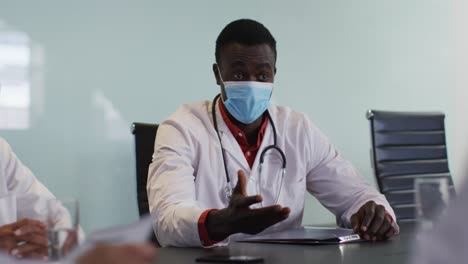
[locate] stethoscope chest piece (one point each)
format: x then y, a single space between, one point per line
228 192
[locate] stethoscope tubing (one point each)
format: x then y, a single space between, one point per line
228 188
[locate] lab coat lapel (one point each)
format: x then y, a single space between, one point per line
266 141
230 145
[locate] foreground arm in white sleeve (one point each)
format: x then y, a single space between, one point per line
30 194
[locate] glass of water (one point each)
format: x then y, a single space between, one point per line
432 196
62 227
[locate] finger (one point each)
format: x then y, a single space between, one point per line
384 228
25 250
241 182
7 243
377 221
41 254
28 222
29 229
258 221
269 215
6 232
37 239
70 242
369 211
355 222
391 232
38 256
244 202
286 211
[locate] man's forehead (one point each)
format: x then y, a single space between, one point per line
238 54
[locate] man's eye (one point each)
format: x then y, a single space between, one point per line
238 76
263 77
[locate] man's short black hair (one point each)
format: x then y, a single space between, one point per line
245 32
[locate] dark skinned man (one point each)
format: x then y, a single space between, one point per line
235 166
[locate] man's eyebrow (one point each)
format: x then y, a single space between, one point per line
238 63
263 65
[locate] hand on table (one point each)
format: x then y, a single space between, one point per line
24 238
7 238
372 222
239 218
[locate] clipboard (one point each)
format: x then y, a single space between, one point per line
307 236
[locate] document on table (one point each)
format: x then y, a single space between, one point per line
307 236
137 232
133 233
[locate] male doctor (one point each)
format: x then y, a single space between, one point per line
22 204
236 165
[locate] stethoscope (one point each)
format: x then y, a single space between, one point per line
228 189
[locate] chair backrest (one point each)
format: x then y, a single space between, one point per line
145 135
406 146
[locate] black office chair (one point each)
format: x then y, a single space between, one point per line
406 146
145 135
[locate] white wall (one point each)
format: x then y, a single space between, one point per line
108 63
461 84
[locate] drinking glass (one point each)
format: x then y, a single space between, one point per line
432 196
62 227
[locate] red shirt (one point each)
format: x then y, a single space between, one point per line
250 152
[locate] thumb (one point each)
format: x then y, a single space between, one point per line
241 182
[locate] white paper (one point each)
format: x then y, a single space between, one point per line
307 234
132 233
137 232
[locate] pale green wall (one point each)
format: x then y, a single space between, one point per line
108 63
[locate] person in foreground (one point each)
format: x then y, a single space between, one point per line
448 239
116 254
23 199
235 166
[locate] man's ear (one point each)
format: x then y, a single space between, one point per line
275 70
216 74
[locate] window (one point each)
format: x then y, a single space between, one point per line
15 85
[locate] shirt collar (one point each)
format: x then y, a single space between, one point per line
237 132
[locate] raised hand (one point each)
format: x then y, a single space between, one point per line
238 217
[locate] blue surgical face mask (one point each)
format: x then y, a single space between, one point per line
247 100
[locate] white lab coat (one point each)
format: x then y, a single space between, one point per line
21 193
187 176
